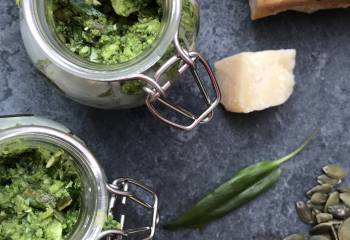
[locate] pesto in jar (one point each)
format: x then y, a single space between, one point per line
39 195
107 31
113 32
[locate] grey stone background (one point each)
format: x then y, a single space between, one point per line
185 166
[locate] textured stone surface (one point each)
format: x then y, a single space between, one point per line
185 166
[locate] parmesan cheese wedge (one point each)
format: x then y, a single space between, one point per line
264 8
256 81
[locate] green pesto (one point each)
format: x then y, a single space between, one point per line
188 31
132 87
18 3
39 194
116 31
127 7
107 31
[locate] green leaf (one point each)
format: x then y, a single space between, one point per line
245 180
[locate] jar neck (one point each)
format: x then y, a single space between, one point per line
94 196
37 16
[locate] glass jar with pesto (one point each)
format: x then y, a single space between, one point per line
52 188
117 54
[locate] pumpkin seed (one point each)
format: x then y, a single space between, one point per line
324 179
321 237
315 211
305 213
333 199
324 228
324 188
314 206
328 207
339 211
295 237
345 197
335 233
344 231
319 198
344 190
324 217
335 171
309 204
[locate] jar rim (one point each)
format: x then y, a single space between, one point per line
84 69
93 221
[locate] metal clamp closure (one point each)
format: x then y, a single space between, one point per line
119 188
186 61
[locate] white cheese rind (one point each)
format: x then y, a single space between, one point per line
264 8
256 81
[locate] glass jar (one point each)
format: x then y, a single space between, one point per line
103 86
98 197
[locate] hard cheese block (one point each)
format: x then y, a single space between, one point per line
264 8
256 81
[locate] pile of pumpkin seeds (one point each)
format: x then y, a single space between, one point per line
328 207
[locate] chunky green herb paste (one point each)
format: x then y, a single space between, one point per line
116 31
107 31
39 195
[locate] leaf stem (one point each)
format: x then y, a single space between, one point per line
284 159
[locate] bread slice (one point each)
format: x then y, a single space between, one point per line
264 8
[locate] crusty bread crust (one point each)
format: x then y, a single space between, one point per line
264 8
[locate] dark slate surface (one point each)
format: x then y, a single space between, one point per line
185 166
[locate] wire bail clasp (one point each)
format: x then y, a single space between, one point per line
187 61
120 188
